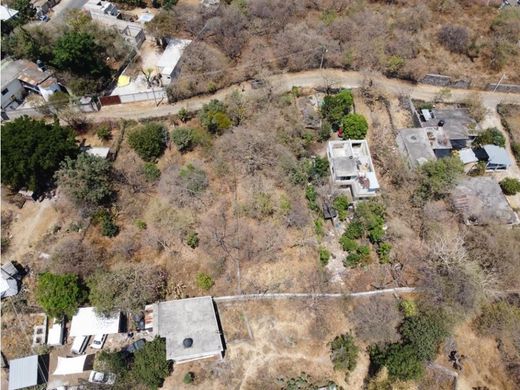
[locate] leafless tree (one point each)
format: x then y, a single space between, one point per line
454 38
74 256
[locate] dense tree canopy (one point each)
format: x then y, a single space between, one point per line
78 53
335 107
150 365
32 151
59 295
214 117
86 180
355 126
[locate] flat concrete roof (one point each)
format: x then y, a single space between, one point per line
415 146
192 318
88 323
458 124
481 202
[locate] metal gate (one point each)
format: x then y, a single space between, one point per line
109 100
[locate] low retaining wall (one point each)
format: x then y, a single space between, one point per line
445 81
508 88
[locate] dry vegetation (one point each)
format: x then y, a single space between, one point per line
405 39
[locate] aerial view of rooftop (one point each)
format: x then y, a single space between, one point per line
260 194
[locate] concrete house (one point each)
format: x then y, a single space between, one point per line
168 64
190 327
97 7
22 76
495 157
351 168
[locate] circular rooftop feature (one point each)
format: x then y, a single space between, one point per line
187 342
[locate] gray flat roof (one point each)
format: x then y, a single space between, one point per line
458 124
415 146
481 202
344 166
193 318
23 372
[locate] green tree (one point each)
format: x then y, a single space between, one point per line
399 359
204 281
108 226
344 352
335 107
59 295
324 256
341 204
149 141
192 240
510 186
355 126
86 180
78 53
491 136
150 366
103 133
183 137
438 177
424 332
32 152
214 117
128 288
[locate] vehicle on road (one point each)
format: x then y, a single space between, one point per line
102 378
99 341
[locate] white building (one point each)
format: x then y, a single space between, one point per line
96 7
351 168
167 65
7 13
88 323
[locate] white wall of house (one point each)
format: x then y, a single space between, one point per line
14 90
50 90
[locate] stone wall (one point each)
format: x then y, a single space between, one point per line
510 88
444 81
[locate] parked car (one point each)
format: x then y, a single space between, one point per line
135 346
79 344
102 378
99 341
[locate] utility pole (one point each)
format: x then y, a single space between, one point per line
501 78
323 51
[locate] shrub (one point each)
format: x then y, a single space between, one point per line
151 172
150 366
399 359
359 257
454 38
394 65
106 219
355 126
324 132
320 168
204 281
193 178
104 133
189 377
318 227
341 204
183 114
192 240
183 137
498 319
354 230
348 244
335 107
324 256
383 251
59 295
376 233
111 362
510 186
140 224
344 353
311 195
408 307
491 136
214 117
149 141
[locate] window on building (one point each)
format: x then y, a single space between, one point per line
4 91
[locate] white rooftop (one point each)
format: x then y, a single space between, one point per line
467 156
88 323
172 55
192 318
68 366
98 151
24 372
7 13
8 280
497 155
55 335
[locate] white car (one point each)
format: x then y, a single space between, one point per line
99 341
103 378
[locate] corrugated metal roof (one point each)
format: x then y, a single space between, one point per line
23 372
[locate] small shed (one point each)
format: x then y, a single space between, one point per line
89 323
9 280
167 64
55 336
99 151
497 157
26 372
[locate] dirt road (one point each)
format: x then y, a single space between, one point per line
314 78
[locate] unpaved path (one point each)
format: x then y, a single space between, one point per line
314 78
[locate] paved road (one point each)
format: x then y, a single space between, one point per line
313 78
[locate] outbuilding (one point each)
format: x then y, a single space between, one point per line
89 323
27 372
